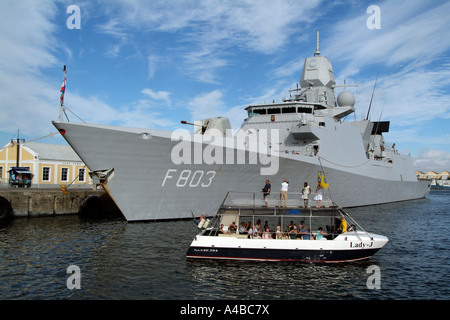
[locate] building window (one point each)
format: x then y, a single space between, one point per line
81 175
64 174
46 174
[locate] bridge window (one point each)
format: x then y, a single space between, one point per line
259 111
304 110
289 110
274 111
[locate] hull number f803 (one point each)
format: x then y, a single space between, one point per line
189 178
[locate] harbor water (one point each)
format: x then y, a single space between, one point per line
120 260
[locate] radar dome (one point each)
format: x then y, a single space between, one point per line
346 99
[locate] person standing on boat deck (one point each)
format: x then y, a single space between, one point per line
284 193
306 191
343 226
318 196
266 191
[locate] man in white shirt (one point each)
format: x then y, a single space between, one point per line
284 193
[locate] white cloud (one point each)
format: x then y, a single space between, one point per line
153 61
114 27
159 95
142 113
28 100
207 105
211 29
436 160
408 98
113 51
410 33
26 37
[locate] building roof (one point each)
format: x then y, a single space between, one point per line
49 151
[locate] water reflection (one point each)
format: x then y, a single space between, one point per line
274 280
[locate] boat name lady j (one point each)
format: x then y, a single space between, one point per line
361 244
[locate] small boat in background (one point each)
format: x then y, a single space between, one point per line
235 232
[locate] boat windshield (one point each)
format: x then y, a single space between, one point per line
245 215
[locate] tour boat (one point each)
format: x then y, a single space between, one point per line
288 234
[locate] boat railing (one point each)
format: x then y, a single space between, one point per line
246 207
274 200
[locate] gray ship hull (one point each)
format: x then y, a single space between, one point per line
146 184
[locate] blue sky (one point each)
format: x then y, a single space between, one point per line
151 63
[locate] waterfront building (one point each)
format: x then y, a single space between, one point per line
420 174
444 175
431 175
51 165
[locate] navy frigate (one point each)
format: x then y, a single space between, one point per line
162 175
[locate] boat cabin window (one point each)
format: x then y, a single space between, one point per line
288 110
304 110
274 111
259 111
281 110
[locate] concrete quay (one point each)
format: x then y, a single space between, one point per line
26 203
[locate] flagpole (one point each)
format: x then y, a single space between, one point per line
329 191
61 99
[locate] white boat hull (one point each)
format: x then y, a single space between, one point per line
349 246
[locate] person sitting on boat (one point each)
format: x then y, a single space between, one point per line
257 227
243 228
232 227
293 232
290 227
343 226
266 234
279 235
256 233
221 229
250 233
303 231
320 234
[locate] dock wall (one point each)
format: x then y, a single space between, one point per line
23 203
